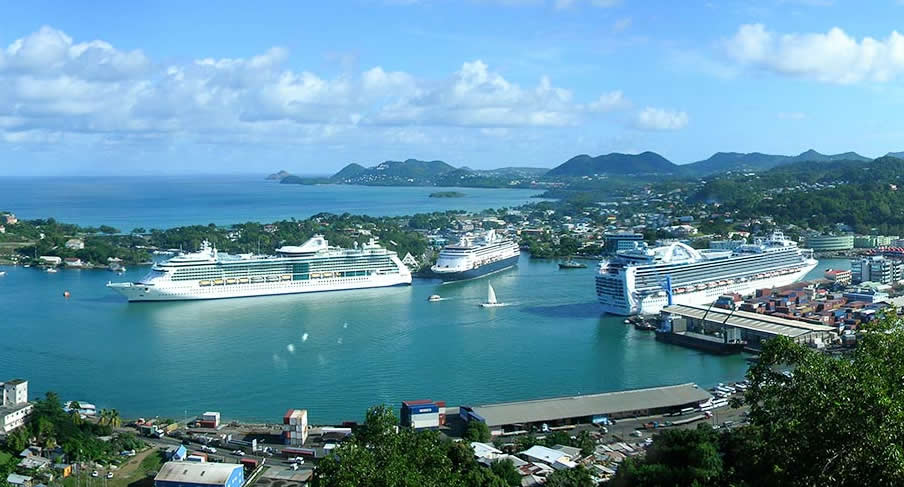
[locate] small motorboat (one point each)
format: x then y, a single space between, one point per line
572 264
51 270
434 297
492 302
2 273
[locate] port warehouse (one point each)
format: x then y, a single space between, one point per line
515 416
200 474
754 328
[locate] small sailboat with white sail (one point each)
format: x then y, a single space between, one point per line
492 302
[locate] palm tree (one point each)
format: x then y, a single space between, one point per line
115 420
104 417
75 416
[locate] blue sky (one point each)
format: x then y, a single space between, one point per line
186 87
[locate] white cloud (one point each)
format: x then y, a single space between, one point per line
478 97
56 90
661 119
833 57
612 100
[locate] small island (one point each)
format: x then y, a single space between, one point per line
447 194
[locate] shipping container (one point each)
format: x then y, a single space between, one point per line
306 452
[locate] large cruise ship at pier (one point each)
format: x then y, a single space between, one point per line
476 256
634 281
314 266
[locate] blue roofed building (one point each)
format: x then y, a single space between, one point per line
190 474
176 453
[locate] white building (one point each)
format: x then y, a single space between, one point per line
546 455
75 244
410 261
15 409
51 259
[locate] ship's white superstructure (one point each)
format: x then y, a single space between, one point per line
634 281
313 266
475 256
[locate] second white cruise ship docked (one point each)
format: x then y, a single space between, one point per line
634 281
476 256
314 266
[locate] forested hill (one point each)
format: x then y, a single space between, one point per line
757 161
647 163
861 194
614 163
414 172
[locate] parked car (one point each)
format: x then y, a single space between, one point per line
109 475
94 473
297 460
238 452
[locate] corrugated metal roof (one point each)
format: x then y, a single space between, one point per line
196 473
747 320
590 405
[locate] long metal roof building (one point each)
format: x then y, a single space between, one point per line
609 403
189 474
746 320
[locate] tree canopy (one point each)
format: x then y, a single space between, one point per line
815 419
382 455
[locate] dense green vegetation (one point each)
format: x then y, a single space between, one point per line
377 455
341 230
863 195
104 243
48 237
413 172
51 427
829 422
614 163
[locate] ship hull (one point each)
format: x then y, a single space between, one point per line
137 292
653 304
481 271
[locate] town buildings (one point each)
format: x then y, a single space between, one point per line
15 408
878 269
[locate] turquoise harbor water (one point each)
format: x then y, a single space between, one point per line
333 353
249 358
170 201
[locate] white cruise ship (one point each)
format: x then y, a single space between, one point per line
476 256
634 282
314 266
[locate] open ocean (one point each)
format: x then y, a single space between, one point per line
171 201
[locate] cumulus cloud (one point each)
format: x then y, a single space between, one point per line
475 96
612 100
53 88
651 118
832 57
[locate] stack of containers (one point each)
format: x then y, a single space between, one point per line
420 414
210 420
442 412
295 427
